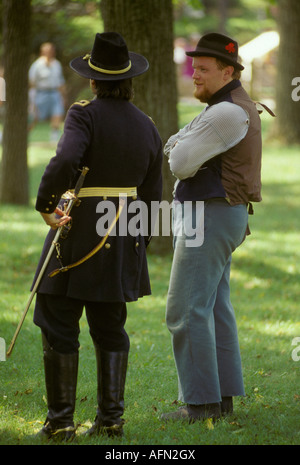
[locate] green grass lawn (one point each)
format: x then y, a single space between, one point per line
266 297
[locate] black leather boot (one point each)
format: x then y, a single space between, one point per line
61 379
111 376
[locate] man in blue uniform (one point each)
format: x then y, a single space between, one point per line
122 149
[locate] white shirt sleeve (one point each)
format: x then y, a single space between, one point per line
2 90
174 139
217 129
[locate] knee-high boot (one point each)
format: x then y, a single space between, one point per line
111 376
61 379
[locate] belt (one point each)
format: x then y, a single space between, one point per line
107 192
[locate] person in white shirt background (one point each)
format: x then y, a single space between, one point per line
46 90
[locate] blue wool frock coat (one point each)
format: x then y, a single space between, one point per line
122 148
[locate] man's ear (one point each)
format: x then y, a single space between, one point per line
228 72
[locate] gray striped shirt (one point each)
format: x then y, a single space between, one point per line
214 131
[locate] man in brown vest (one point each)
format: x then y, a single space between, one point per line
217 162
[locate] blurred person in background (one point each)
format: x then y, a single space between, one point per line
46 94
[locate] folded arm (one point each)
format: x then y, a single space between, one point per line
214 131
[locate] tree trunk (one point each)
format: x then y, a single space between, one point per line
288 109
16 39
147 27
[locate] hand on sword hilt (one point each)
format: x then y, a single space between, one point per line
56 219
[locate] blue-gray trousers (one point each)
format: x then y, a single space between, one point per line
199 313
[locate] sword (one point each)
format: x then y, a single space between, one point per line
71 203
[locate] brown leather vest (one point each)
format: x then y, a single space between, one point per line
241 165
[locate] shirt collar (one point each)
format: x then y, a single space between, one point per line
222 94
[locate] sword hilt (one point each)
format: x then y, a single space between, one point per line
74 201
